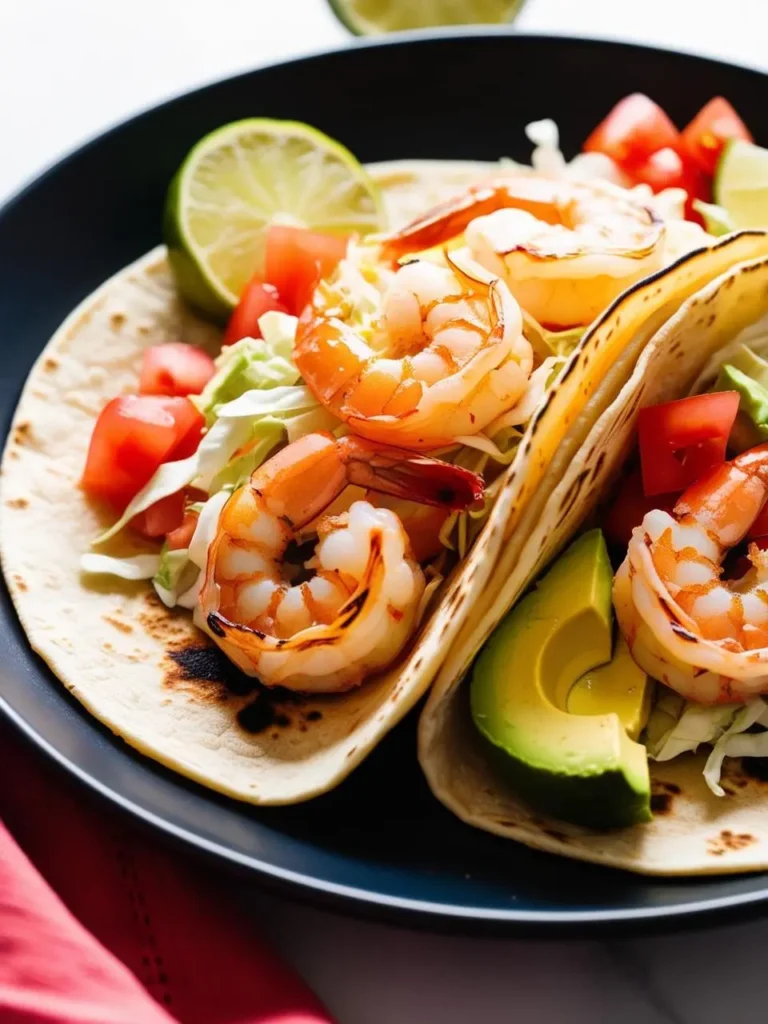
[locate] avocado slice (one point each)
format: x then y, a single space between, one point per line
556 708
751 426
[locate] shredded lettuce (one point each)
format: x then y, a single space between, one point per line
687 726
266 406
732 744
135 567
252 363
546 343
248 428
679 727
175 575
168 479
206 529
180 575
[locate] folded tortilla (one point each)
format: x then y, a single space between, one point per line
144 670
693 831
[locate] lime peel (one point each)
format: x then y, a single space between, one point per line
372 17
240 179
741 184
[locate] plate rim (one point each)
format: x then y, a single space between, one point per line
353 899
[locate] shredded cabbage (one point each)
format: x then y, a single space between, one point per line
688 726
264 406
252 363
754 337
168 479
732 744
678 727
180 575
175 575
247 430
135 567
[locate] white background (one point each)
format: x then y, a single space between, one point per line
68 69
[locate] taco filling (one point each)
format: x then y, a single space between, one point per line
331 416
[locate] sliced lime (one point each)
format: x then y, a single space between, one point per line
741 184
717 220
372 17
240 179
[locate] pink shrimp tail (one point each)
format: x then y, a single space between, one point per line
404 474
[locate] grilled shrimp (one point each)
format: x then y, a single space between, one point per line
438 360
566 249
356 612
703 636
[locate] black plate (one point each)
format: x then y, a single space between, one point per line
380 841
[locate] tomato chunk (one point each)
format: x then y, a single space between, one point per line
134 435
162 517
170 517
668 169
714 125
257 299
680 441
175 369
297 259
634 130
629 507
181 537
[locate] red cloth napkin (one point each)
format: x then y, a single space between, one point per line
136 934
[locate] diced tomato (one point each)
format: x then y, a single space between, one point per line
297 259
634 130
170 517
132 437
680 441
182 535
663 169
190 423
704 138
162 517
667 169
257 299
175 369
628 508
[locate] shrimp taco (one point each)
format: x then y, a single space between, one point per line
616 712
248 552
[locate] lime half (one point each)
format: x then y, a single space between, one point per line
741 184
372 17
240 179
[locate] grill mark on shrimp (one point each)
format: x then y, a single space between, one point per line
370 376
362 561
707 638
683 633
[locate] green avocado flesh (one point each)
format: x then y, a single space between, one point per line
748 375
556 706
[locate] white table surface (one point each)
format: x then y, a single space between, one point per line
68 69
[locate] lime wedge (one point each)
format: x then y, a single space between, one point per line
741 184
372 17
717 220
240 179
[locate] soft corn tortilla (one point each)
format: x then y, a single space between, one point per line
144 670
693 831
